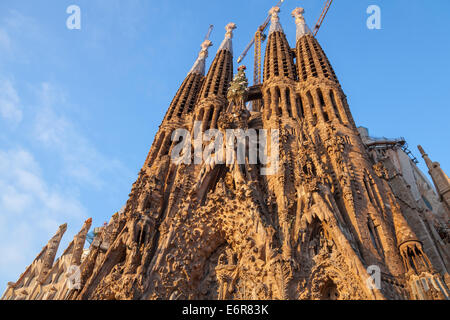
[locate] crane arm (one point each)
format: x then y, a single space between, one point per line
322 16
249 46
211 27
261 28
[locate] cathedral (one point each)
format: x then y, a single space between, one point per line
331 214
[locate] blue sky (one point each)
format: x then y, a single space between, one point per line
79 108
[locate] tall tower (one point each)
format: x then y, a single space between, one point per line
181 108
37 271
212 99
328 221
140 241
440 179
337 155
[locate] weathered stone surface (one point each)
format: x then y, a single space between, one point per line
224 231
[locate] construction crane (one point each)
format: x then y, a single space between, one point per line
260 37
257 41
211 27
322 16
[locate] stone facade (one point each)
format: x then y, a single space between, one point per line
311 230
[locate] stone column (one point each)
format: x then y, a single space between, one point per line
284 102
331 111
341 107
294 109
318 106
215 117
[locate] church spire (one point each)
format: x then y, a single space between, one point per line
213 95
279 60
221 71
440 179
79 241
425 157
52 249
227 43
184 100
274 21
199 65
302 27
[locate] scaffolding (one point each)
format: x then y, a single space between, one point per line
384 143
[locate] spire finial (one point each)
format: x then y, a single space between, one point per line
230 27
302 27
425 157
226 44
275 20
422 152
199 65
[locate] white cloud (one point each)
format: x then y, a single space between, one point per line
33 201
32 207
30 210
58 134
5 41
9 102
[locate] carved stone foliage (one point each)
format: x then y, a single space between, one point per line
309 230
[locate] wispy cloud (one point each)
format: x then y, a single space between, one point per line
58 134
35 196
9 102
5 41
33 203
31 209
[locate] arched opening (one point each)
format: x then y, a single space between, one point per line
157 147
410 257
322 105
301 63
212 71
309 169
368 190
200 114
275 57
210 116
278 102
193 97
335 108
374 236
269 104
288 102
312 107
220 72
166 147
210 182
299 105
330 291
142 234
311 59
372 190
186 94
284 56
229 76
317 238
